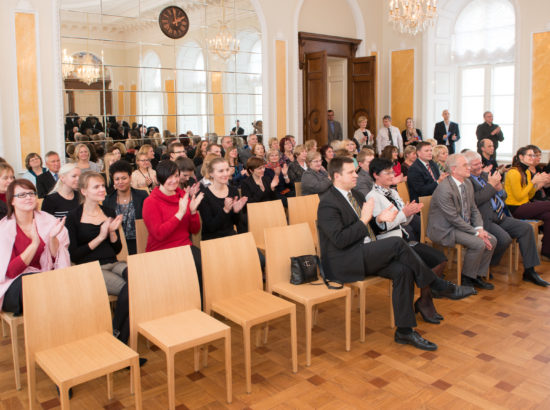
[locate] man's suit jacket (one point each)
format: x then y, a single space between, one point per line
440 133
341 236
44 184
337 134
482 196
446 212
419 180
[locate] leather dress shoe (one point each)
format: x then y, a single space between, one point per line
534 277
438 316
425 316
414 339
478 282
454 292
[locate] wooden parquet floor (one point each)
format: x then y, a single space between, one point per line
494 352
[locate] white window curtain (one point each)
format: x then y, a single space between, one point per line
151 107
485 33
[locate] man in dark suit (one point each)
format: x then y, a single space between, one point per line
334 128
238 129
46 180
446 132
423 175
489 129
350 251
490 197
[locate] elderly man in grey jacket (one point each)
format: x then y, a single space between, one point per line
454 218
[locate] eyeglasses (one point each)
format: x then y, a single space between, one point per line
30 194
178 152
388 172
144 160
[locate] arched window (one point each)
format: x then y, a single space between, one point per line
191 88
483 49
151 107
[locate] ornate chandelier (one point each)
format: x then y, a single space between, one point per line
88 71
224 44
67 66
412 16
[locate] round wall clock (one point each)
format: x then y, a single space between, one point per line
173 22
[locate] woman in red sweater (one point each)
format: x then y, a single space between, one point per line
170 213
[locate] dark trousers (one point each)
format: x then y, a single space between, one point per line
537 210
514 228
13 298
393 258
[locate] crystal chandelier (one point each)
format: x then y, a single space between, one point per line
412 16
67 65
224 44
88 71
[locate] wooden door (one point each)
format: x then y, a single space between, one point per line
361 93
315 97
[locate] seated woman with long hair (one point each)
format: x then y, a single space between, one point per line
521 186
33 163
237 171
126 201
170 213
32 242
440 154
327 153
200 152
391 153
144 176
82 158
63 198
287 150
6 178
258 187
315 180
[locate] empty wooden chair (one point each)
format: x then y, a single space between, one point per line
281 244
73 341
403 191
13 323
232 282
304 209
165 307
141 236
262 215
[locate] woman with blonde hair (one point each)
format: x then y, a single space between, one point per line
298 166
273 143
351 147
310 145
259 150
440 154
144 176
149 150
63 198
81 157
411 135
409 156
315 180
362 134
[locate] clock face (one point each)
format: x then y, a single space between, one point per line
174 22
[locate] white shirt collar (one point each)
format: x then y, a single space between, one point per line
457 182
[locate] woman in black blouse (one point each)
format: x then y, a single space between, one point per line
258 187
220 209
64 195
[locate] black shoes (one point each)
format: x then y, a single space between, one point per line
534 277
414 339
454 292
426 316
478 282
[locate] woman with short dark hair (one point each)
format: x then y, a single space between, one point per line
33 163
257 187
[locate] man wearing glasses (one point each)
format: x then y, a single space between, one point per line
176 150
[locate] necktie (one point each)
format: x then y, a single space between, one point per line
390 138
431 172
465 209
357 210
496 201
55 177
331 126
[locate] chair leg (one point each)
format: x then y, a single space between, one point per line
15 353
247 358
109 385
228 369
205 356
516 260
294 340
31 381
459 266
315 315
258 336
4 330
362 314
137 382
309 320
348 321
64 397
170 374
133 343
266 333
196 357
390 295
510 258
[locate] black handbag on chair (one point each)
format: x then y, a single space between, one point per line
303 269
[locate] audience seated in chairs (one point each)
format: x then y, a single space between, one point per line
144 176
126 201
297 167
409 156
350 251
46 181
315 180
276 166
455 219
364 179
64 196
423 175
32 242
385 197
490 197
6 178
258 187
521 186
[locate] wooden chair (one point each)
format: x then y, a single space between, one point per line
73 343
304 209
13 323
196 237
281 244
141 236
123 254
262 215
403 191
232 282
39 203
165 307
298 188
426 200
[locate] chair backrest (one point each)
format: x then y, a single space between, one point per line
426 200
304 209
197 237
123 254
141 236
403 191
230 267
263 215
162 283
64 305
39 203
298 188
281 243
146 189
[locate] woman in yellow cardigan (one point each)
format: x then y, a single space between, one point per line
521 187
